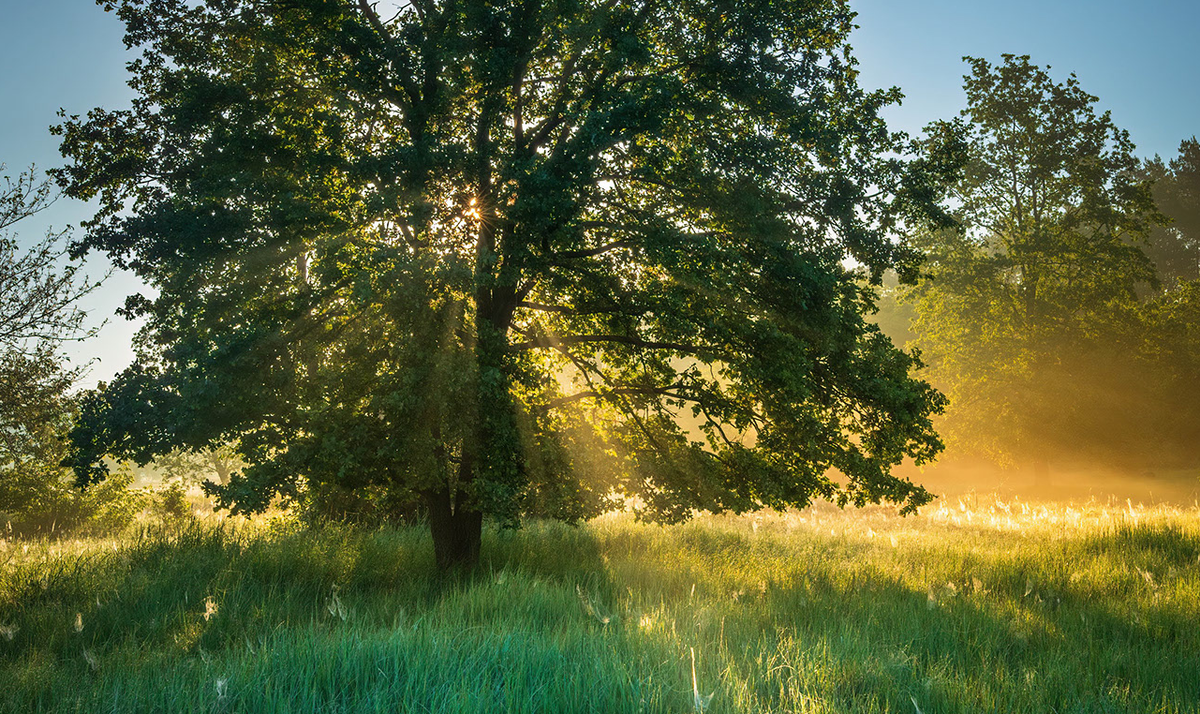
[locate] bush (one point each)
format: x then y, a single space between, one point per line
47 502
171 502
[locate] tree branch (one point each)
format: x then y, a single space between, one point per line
556 341
380 28
591 252
565 309
598 393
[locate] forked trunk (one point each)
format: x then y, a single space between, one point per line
456 529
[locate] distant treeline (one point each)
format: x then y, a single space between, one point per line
1061 316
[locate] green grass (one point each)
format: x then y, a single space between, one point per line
1002 608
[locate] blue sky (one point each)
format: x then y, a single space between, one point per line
1142 60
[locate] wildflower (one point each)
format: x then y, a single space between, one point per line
9 631
210 608
79 622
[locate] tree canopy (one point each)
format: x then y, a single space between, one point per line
1175 246
508 257
1030 315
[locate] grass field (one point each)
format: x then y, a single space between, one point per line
978 606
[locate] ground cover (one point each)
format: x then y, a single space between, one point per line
976 605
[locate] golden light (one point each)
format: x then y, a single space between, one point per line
473 212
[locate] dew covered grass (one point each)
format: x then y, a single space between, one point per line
983 607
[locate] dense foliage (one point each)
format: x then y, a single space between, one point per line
1042 315
1175 246
508 257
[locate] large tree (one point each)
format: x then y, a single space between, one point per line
1023 310
504 257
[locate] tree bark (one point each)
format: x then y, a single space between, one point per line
456 526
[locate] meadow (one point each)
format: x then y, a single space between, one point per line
976 605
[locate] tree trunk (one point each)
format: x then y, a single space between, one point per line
456 529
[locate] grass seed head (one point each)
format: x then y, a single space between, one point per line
699 702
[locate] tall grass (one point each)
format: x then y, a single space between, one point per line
1004 607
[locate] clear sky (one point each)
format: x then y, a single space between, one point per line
1142 59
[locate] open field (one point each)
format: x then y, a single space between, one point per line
974 606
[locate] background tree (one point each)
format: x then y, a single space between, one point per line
1174 247
218 463
485 255
1024 313
39 294
222 461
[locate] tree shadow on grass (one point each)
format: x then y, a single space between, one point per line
854 632
597 618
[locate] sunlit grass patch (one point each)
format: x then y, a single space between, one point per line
983 606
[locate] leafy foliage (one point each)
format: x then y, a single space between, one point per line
488 255
39 293
1175 247
1030 315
